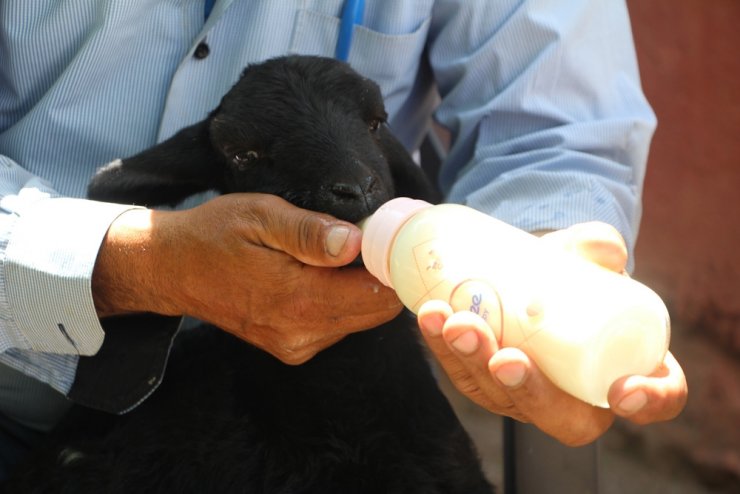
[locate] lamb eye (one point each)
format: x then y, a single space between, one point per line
374 124
247 158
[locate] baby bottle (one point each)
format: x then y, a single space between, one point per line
584 325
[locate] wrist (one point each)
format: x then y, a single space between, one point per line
131 273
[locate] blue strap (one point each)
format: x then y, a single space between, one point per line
352 14
208 8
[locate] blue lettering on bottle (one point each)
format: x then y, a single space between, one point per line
476 306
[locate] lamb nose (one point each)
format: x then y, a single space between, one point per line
347 191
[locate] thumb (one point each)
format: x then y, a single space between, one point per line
599 242
313 238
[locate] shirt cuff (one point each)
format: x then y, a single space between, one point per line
48 266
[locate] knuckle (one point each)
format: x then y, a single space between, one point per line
465 383
291 358
295 352
506 407
580 438
583 432
261 211
309 234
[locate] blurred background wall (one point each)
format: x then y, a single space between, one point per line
689 243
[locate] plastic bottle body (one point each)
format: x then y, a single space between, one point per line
585 326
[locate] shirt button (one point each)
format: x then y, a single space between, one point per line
202 50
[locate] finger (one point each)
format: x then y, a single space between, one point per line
431 319
349 298
313 238
316 303
555 412
470 337
599 242
465 368
656 398
317 308
461 333
308 304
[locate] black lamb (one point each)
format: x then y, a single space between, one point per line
363 416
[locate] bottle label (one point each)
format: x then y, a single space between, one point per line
480 298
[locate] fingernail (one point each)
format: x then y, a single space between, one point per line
433 325
336 239
466 343
633 402
511 375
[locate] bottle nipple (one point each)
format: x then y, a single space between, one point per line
379 232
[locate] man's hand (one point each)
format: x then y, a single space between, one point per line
254 265
507 382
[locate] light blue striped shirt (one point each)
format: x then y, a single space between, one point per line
542 99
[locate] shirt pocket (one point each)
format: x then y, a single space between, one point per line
391 60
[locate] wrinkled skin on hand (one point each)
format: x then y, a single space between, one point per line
253 265
505 381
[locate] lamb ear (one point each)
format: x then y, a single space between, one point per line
408 177
167 173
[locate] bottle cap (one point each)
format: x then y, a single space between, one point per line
379 232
